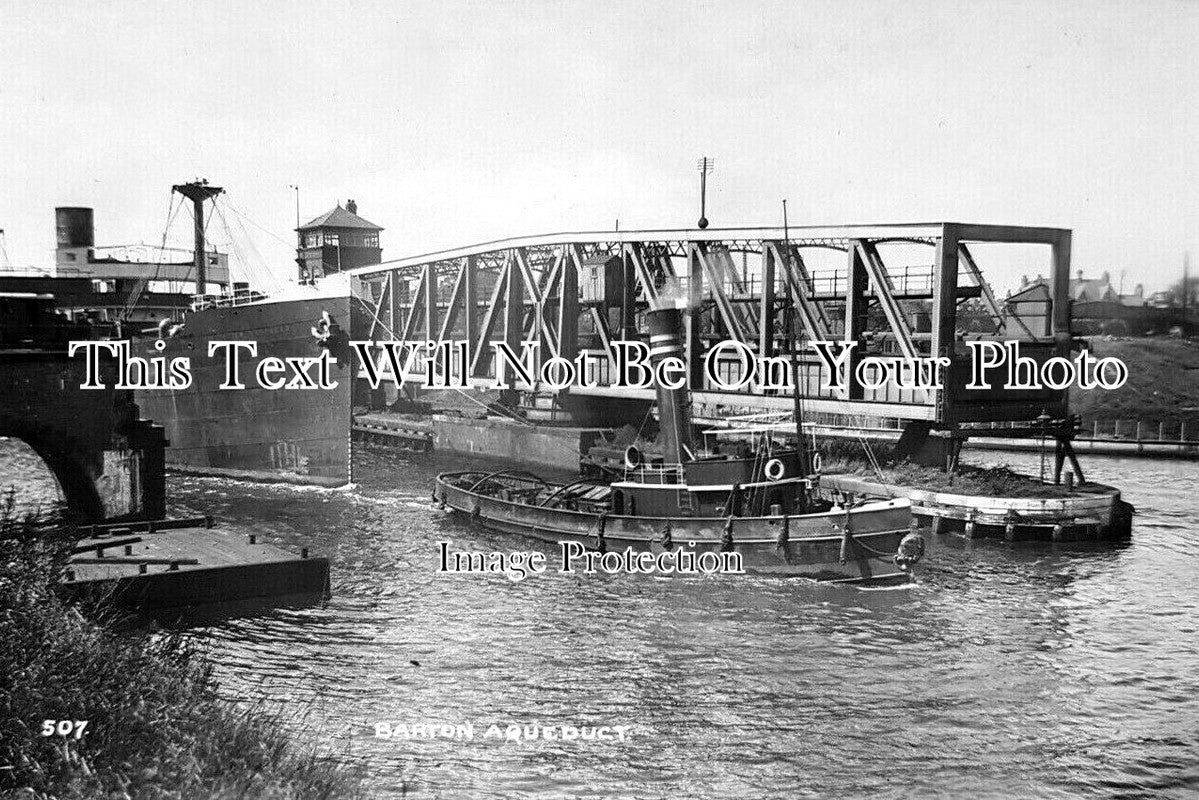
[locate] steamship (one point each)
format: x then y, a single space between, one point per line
288 435
185 299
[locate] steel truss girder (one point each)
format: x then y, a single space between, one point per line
533 288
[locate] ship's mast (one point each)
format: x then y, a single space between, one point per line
198 191
790 323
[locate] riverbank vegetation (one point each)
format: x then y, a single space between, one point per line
155 726
1162 386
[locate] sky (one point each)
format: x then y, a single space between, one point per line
453 123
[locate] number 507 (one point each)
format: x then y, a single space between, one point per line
64 727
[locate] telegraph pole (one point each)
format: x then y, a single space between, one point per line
705 166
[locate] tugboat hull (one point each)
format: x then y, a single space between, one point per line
814 546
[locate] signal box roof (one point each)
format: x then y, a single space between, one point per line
339 218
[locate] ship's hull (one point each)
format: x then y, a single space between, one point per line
292 435
804 545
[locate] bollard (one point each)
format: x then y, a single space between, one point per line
128 549
70 574
253 538
99 552
142 568
1057 532
303 552
174 566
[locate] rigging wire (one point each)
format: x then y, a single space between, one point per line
248 269
139 288
257 265
250 220
234 247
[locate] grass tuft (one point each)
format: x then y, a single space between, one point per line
156 726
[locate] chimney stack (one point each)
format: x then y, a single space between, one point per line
674 405
351 206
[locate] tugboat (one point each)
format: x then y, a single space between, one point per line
758 505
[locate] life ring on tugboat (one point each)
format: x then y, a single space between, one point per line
632 457
775 469
817 463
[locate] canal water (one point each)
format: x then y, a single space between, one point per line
1008 671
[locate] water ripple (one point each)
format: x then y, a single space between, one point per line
1026 671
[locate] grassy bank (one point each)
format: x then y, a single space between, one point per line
1163 383
156 727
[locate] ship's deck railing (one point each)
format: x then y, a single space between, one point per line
239 297
656 473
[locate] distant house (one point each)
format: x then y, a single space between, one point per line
1091 290
1090 297
1028 309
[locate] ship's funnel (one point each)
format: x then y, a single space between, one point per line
75 227
674 405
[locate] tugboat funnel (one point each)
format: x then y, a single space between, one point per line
674 405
